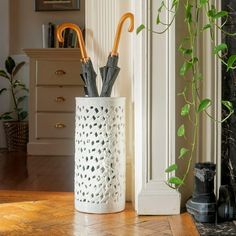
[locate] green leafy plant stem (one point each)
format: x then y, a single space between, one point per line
14 98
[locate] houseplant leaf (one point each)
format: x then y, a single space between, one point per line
140 28
171 168
183 152
185 110
231 61
228 105
220 14
4 74
21 99
2 90
219 48
207 26
23 115
181 131
204 104
175 180
17 68
203 2
10 65
185 67
6 116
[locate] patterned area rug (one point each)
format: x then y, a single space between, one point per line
226 228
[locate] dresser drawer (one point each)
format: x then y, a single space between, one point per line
57 98
58 72
55 125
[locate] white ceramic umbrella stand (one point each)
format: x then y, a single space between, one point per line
100 157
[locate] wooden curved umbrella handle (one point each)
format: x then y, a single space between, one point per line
76 28
119 28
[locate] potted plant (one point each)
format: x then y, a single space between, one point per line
15 126
193 104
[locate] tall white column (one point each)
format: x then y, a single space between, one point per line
154 66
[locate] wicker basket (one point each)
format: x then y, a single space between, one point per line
16 135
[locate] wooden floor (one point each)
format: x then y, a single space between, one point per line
29 204
36 173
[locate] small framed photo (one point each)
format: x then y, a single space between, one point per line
57 5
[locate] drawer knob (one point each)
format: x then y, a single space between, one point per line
60 99
60 72
60 125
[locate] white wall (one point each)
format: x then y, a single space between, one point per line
4 50
20 27
26 24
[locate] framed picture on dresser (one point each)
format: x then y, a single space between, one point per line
57 5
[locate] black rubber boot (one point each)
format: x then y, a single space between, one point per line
202 205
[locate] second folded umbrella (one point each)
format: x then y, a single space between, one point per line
110 72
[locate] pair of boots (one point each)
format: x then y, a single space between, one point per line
203 205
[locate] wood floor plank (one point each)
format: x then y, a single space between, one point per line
182 225
44 204
53 214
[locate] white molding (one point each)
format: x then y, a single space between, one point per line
210 142
152 195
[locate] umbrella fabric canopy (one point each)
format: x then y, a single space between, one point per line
109 74
89 77
88 74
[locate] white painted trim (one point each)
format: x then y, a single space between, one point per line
152 196
210 142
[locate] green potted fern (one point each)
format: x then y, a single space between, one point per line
14 120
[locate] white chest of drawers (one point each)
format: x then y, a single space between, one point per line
54 83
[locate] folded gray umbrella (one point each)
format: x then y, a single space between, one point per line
109 74
89 77
88 74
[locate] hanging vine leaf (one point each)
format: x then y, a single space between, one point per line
228 105
207 26
231 61
185 67
158 19
219 48
183 152
220 14
171 168
140 28
175 180
185 110
198 77
181 131
204 104
203 2
174 3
